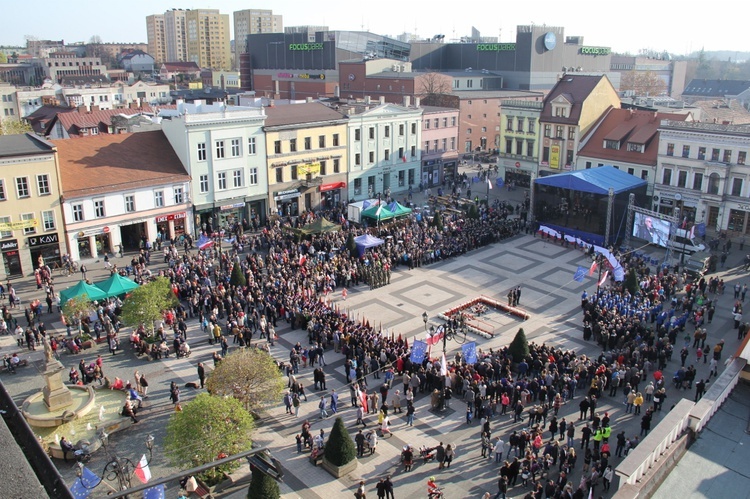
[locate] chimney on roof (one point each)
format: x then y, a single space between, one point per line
630 114
94 107
82 108
417 102
367 99
381 99
407 101
308 100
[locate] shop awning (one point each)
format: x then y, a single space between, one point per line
332 187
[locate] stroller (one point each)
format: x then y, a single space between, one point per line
427 453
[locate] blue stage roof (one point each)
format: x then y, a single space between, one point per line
594 180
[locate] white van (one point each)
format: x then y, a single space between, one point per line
684 243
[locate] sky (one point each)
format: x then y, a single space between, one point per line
678 26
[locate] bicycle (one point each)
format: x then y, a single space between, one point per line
65 269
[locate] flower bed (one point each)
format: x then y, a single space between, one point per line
488 302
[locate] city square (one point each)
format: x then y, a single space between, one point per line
551 297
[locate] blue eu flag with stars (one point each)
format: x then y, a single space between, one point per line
469 351
418 351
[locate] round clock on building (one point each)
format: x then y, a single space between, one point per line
352 77
550 40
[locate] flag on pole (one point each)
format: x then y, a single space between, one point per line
418 351
604 278
142 471
592 269
489 182
469 351
363 400
434 339
82 486
443 366
380 208
302 259
155 492
578 276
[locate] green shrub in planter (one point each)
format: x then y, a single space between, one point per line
340 448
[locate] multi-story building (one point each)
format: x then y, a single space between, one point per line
31 221
224 151
638 75
207 33
385 149
628 140
306 146
60 64
8 102
570 110
107 202
702 174
156 36
252 22
439 144
518 154
308 30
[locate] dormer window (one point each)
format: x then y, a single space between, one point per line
561 112
635 147
612 144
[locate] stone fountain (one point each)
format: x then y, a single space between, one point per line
59 409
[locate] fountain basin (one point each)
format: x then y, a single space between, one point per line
37 414
88 428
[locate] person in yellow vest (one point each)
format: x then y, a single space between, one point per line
638 402
217 332
598 437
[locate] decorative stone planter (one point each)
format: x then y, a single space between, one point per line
489 302
339 471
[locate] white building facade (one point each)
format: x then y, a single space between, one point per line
384 150
703 175
223 149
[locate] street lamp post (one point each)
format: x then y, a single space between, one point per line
598 258
117 469
424 318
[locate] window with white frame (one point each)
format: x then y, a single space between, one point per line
2 190
48 220
251 145
202 151
219 149
5 233
158 199
222 181
203 182
99 208
252 176
179 195
235 148
77 212
27 217
129 203
237 178
42 185
22 187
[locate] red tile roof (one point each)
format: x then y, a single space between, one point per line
627 126
92 119
113 163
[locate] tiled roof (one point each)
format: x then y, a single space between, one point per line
626 126
181 66
92 119
23 144
42 117
715 88
292 114
117 162
575 89
713 111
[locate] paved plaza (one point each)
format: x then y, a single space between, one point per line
549 294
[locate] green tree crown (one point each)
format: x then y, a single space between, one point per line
340 448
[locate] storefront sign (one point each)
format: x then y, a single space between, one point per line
495 47
302 76
172 216
333 186
554 156
596 50
309 169
743 207
232 206
23 224
283 195
42 240
305 46
10 245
